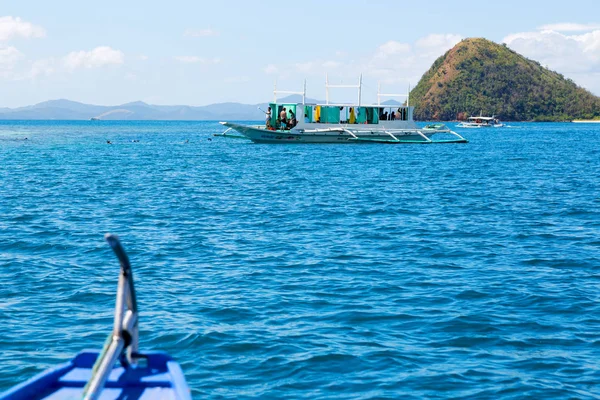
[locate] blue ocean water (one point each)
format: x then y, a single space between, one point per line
310 271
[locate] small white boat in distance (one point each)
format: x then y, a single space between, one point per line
481 122
340 123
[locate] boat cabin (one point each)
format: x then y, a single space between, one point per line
334 114
483 120
289 115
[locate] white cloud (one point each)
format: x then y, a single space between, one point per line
15 27
591 44
143 57
575 56
200 32
434 45
392 48
43 67
14 66
98 57
197 60
565 53
402 63
569 27
394 63
438 41
271 69
9 56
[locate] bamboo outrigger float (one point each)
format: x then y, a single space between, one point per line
340 123
119 371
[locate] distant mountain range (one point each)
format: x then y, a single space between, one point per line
138 110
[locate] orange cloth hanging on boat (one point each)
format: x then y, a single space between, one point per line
318 113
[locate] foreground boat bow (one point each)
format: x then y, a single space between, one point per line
92 375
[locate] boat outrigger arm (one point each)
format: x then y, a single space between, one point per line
232 136
122 343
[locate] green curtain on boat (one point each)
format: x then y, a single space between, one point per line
307 113
361 116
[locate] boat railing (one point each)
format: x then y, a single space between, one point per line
278 91
122 343
392 95
330 86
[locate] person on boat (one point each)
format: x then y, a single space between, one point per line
306 119
268 118
293 120
283 118
342 115
398 115
384 117
392 116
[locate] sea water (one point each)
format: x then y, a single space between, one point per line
309 271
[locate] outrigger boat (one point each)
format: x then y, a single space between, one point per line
119 371
481 122
340 123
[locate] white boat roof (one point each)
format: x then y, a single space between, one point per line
483 118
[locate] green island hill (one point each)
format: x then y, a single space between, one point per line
479 76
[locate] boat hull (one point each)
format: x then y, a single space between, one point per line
477 125
334 135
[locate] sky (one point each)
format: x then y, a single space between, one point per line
198 52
